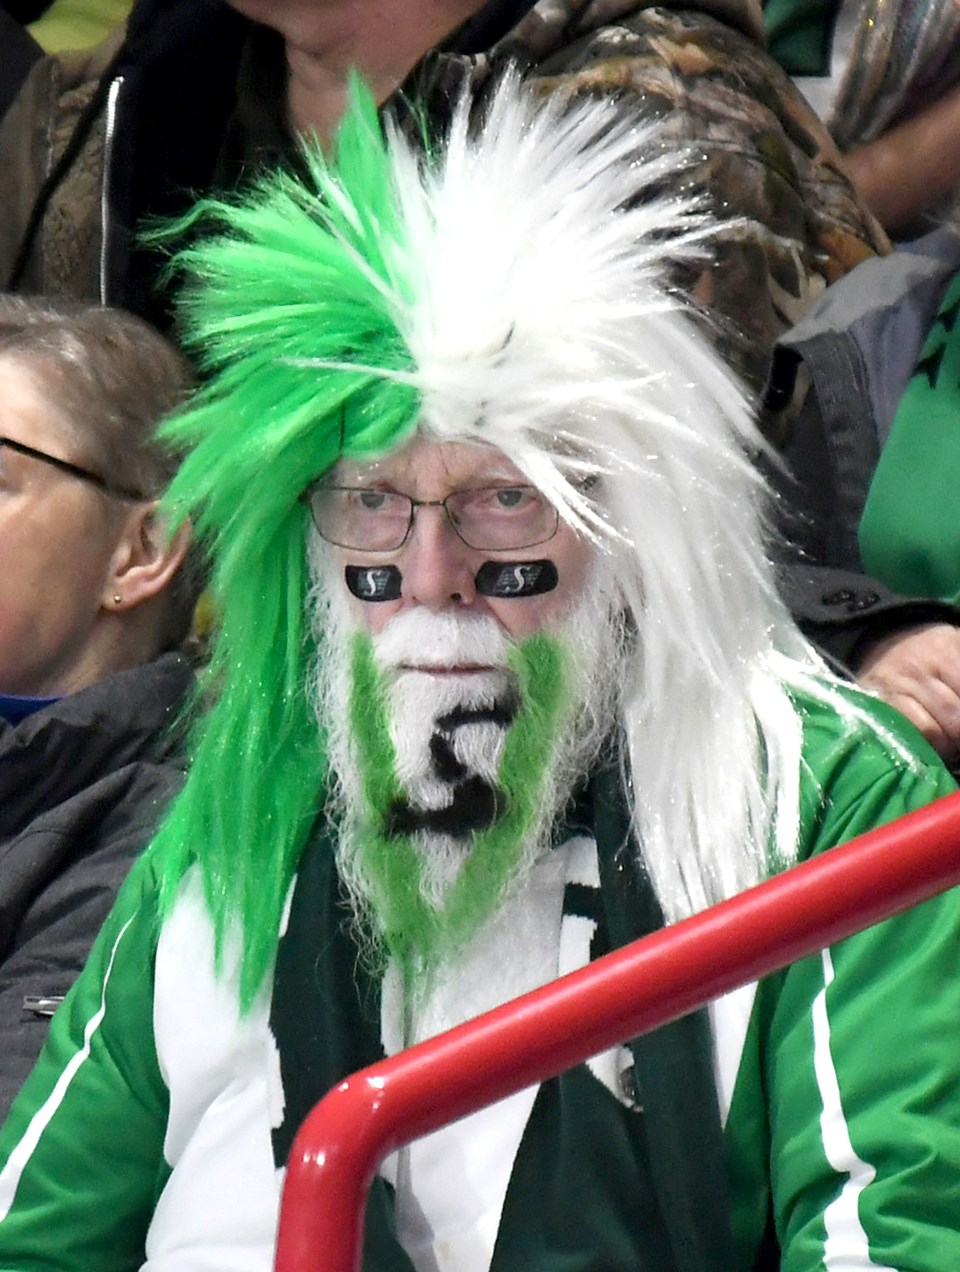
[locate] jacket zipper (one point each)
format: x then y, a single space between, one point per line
113 97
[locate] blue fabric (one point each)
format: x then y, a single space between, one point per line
13 709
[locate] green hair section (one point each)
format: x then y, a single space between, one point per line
291 298
415 934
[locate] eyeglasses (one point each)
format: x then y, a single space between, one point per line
75 470
492 518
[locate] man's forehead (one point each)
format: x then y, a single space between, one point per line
427 462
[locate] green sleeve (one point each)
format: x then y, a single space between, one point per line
848 1100
81 1154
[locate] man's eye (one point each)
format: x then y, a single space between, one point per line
510 497
492 501
372 500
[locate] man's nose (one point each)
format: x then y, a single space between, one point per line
437 566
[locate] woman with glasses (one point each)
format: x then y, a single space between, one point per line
94 603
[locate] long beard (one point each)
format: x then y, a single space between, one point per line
449 786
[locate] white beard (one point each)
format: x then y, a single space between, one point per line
420 701
417 701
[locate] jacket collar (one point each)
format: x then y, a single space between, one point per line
81 738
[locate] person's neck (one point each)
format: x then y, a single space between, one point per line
383 42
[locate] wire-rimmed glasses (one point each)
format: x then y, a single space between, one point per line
491 518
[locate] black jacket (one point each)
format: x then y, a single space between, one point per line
82 785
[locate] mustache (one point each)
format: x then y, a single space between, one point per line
419 638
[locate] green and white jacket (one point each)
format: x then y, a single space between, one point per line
808 1122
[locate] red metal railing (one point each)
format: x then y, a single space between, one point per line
638 988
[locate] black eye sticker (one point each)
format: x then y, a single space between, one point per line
373 582
516 579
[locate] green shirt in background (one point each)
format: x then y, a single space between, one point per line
910 529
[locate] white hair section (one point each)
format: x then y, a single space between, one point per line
542 322
528 270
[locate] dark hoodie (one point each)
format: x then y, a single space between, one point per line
83 783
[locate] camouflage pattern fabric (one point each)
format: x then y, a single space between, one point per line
766 161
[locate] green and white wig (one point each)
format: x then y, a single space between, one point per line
507 286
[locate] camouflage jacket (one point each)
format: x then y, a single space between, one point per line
127 133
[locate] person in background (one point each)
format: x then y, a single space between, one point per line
873 466
501 681
201 94
95 602
885 78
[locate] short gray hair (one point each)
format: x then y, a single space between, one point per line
112 378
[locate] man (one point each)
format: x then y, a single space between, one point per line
501 679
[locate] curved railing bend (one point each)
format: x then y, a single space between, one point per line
627 993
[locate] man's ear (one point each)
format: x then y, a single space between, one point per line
146 558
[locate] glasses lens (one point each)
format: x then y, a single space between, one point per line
362 518
502 517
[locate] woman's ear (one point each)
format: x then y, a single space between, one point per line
146 558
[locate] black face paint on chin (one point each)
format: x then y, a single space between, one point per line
373 582
516 579
474 804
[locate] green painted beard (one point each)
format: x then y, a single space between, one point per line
418 935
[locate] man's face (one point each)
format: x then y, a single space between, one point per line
457 721
438 570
